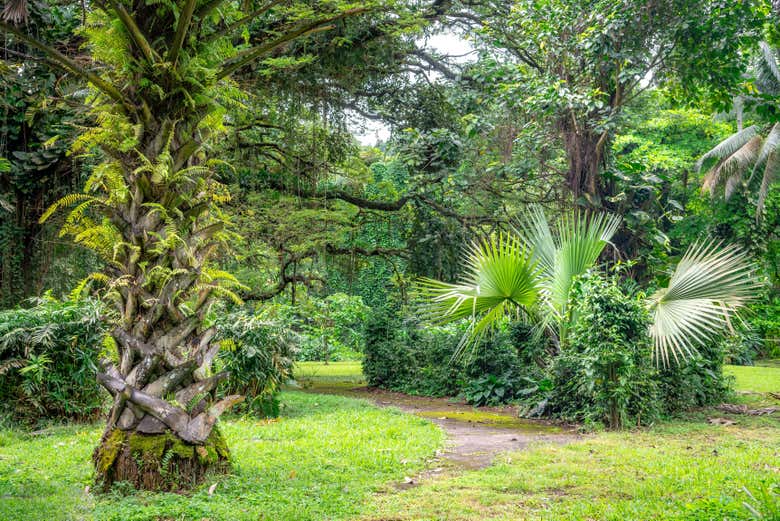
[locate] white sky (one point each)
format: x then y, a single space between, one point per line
370 132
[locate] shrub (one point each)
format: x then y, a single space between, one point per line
330 328
604 372
48 360
742 347
259 354
403 356
387 360
696 382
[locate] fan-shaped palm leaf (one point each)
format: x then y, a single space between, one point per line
500 277
579 240
707 288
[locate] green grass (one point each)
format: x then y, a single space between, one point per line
319 461
333 371
331 457
680 471
755 378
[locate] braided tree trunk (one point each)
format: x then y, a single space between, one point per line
160 226
158 72
161 428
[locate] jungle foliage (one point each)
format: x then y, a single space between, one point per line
193 165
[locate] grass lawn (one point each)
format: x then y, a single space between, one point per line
319 461
351 372
755 378
680 470
331 457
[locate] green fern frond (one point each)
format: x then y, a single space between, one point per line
68 200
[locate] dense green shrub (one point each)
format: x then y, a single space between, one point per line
765 317
404 356
696 382
329 329
48 360
604 372
259 354
742 347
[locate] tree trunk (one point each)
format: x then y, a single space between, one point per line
584 153
157 461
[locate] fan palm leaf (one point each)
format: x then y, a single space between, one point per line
579 240
500 277
707 288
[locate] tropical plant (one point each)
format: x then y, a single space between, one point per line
606 374
707 288
750 156
159 75
48 358
258 354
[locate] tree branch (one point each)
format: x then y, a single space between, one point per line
256 52
69 65
135 32
185 17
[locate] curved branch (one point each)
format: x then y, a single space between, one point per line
254 53
69 65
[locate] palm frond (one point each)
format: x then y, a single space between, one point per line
733 167
707 288
769 145
770 173
15 11
728 146
768 69
499 272
579 240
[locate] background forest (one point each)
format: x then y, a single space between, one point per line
331 232
327 157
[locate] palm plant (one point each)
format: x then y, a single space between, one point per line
534 272
754 151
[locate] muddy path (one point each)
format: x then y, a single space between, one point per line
475 434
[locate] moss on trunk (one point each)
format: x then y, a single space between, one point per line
161 462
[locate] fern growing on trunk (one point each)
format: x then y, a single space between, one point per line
159 74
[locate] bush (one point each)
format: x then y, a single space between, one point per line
696 382
259 354
48 361
401 355
604 372
742 347
329 329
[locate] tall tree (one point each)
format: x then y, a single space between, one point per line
573 66
160 81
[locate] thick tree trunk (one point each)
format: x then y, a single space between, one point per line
161 431
584 152
157 461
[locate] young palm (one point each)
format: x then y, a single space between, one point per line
535 271
532 272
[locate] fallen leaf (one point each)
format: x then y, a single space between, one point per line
212 488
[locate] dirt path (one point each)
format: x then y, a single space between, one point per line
476 434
